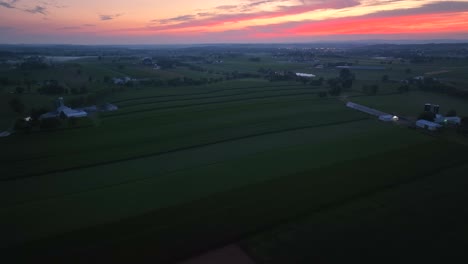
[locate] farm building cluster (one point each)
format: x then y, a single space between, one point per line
438 122
64 111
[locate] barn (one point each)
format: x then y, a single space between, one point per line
428 125
61 109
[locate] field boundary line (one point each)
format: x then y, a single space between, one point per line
206 103
98 164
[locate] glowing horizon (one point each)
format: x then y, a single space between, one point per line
180 21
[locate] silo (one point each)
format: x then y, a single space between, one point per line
58 102
427 107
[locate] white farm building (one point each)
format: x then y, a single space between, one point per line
306 75
61 109
381 115
388 118
428 125
365 109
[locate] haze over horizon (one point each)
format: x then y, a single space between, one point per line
233 21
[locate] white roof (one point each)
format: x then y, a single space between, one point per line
5 134
66 110
427 123
386 118
365 109
309 75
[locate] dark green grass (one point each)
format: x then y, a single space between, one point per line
202 93
423 220
105 192
161 130
176 232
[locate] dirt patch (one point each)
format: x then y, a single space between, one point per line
231 254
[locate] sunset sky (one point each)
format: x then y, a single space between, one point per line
228 21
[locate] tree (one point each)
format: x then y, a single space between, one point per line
451 112
429 116
345 74
19 90
16 105
334 86
346 78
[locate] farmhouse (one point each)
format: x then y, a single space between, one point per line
61 109
121 81
307 75
147 61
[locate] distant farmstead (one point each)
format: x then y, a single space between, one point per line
440 119
62 110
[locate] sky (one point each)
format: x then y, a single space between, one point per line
228 21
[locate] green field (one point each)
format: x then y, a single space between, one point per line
179 170
423 220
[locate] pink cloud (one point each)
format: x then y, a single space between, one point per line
220 18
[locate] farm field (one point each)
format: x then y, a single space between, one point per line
218 148
199 224
424 220
180 152
174 143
